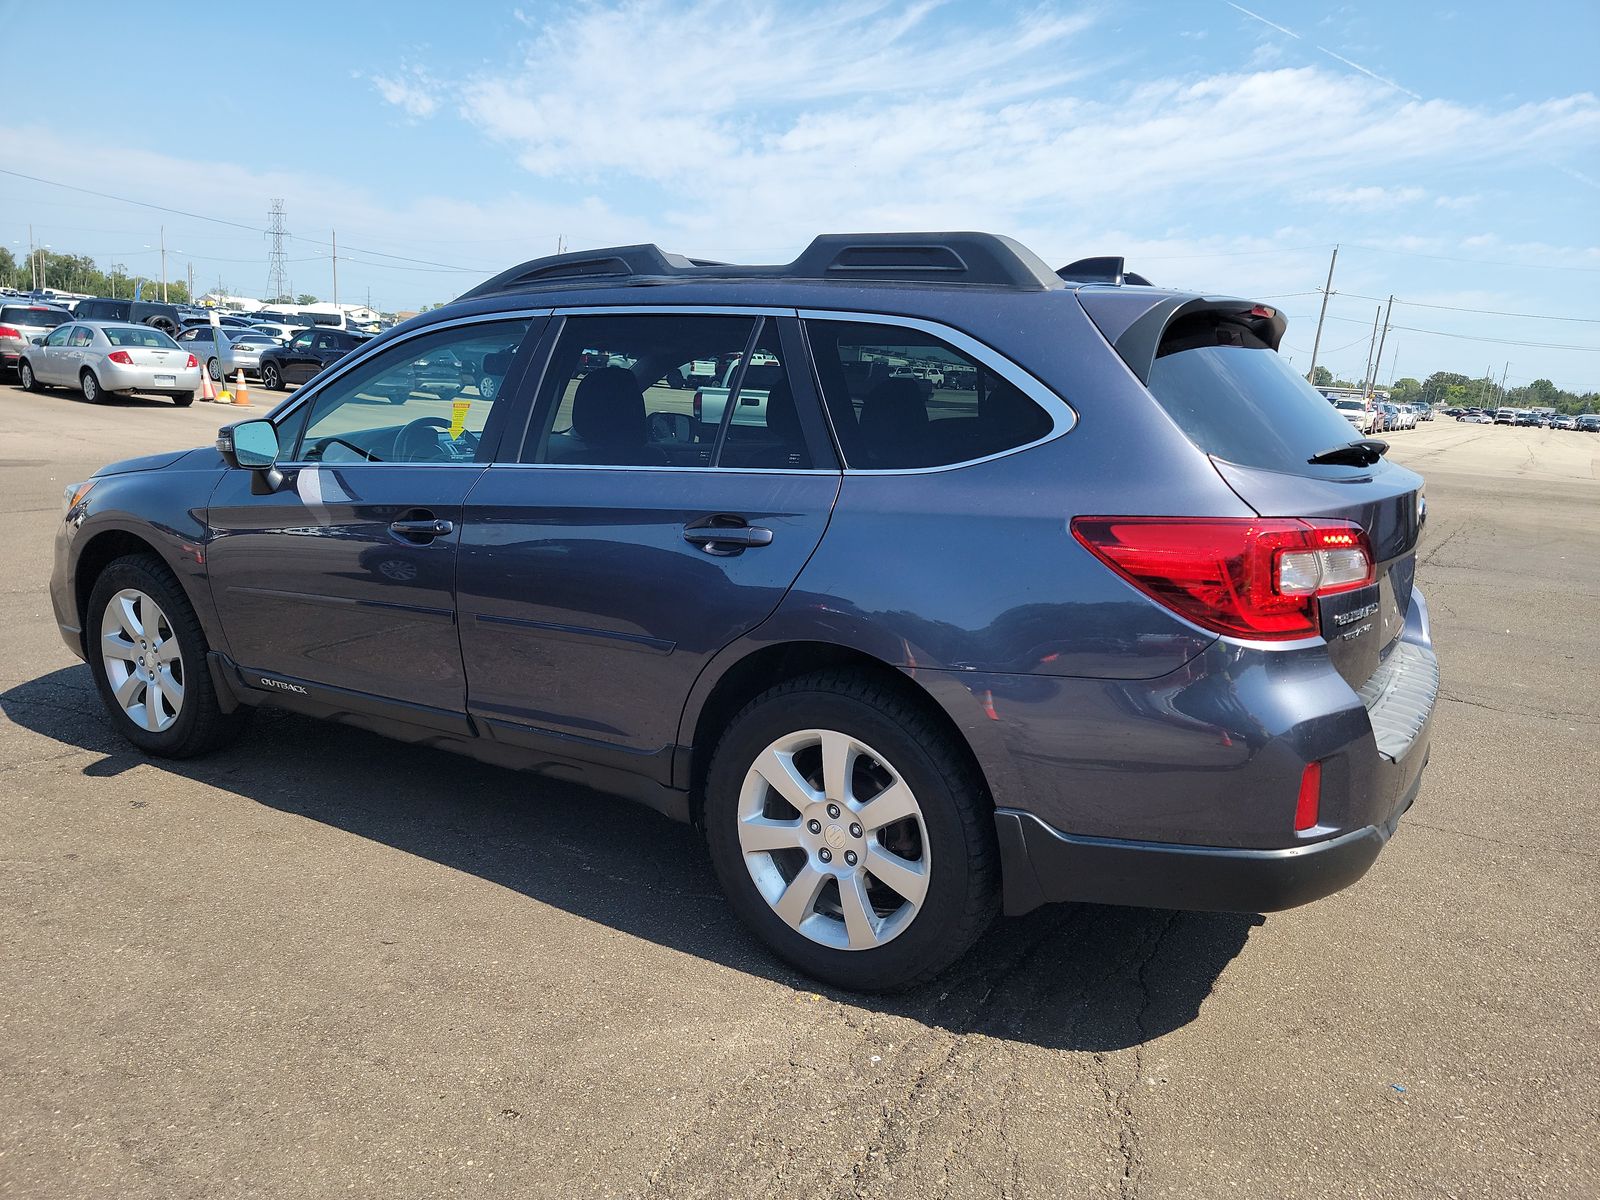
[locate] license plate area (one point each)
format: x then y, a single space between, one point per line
166 381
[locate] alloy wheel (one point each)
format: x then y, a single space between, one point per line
834 839
143 662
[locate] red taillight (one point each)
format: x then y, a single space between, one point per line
192 363
1251 577
8 331
697 404
121 356
1309 805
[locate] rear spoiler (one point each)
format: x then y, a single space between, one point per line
1135 322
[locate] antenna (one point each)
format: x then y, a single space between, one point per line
277 262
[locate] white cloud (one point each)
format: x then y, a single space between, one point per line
412 91
1368 199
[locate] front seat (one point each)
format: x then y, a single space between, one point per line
608 423
783 427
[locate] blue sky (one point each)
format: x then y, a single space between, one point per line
1453 150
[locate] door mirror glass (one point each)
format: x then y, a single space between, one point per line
255 444
675 429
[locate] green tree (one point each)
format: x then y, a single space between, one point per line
1406 391
1437 387
1321 377
305 298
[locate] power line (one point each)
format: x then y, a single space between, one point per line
1486 262
1491 312
235 224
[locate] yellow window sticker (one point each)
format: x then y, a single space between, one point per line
458 417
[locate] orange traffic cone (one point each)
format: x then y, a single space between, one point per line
207 392
241 393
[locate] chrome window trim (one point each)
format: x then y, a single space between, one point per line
1063 416
682 310
632 467
361 356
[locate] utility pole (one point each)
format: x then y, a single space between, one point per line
163 264
277 261
1366 378
1377 363
336 268
191 283
1327 290
1503 371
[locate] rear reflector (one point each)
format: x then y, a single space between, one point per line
1308 807
1250 577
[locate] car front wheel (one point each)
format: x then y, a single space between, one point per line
148 656
271 377
850 833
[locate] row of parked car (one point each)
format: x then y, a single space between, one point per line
1527 418
106 347
1378 416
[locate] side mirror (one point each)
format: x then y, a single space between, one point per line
675 429
38 341
252 446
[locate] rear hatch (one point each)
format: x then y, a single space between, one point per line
1213 365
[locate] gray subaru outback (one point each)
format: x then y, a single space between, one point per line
974 586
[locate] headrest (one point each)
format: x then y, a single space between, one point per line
609 408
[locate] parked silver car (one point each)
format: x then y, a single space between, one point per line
101 358
21 323
215 353
246 348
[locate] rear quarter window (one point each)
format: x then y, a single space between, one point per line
1238 400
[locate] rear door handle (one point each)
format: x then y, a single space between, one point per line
722 538
422 529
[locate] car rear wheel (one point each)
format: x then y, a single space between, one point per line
148 656
26 377
271 377
850 834
214 370
90 385
183 401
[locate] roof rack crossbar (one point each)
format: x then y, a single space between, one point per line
974 259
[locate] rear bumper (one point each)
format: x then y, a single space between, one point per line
117 378
1042 865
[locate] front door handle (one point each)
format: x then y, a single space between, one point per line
422 530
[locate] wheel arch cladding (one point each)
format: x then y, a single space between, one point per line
769 666
99 552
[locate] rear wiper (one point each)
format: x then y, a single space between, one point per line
1360 453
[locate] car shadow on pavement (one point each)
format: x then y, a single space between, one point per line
1072 977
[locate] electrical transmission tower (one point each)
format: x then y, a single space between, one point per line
277 262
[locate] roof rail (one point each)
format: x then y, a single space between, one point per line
974 259
1105 269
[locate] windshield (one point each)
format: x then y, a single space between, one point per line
138 335
39 318
1350 405
1247 406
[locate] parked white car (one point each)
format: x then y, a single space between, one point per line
102 358
1359 413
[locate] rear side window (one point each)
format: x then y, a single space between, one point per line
626 390
902 399
1238 400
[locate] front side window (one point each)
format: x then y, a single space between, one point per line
82 335
423 400
638 390
302 342
901 399
59 336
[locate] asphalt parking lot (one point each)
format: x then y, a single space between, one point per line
322 963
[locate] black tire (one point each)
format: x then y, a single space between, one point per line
201 725
963 889
271 377
183 401
214 369
27 379
89 384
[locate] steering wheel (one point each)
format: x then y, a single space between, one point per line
418 441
